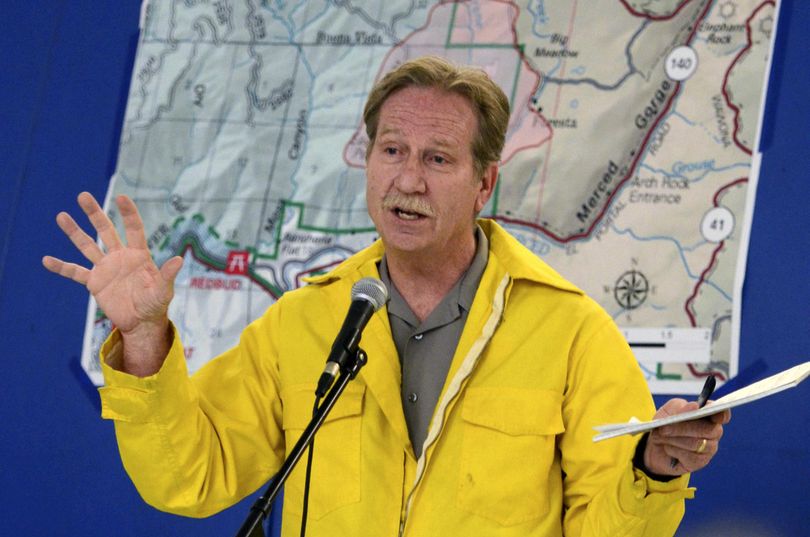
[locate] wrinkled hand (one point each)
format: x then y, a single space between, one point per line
125 282
683 442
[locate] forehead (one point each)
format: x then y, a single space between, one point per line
428 112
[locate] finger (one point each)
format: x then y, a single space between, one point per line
71 271
133 223
700 446
699 428
688 460
673 407
721 418
101 222
171 268
85 244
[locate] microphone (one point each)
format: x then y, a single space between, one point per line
368 296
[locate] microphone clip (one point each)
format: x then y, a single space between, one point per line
351 367
360 359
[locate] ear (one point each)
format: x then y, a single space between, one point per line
487 186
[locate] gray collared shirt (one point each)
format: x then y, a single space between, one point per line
426 349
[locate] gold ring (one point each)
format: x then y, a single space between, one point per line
702 447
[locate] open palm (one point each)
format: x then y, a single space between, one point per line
127 285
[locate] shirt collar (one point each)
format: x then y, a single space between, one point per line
461 295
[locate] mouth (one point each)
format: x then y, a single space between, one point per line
407 215
408 208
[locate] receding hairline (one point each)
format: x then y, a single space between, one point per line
437 140
489 104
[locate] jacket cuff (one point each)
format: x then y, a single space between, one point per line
134 399
641 495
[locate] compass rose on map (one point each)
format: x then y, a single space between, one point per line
631 289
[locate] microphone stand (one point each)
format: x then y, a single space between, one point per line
252 527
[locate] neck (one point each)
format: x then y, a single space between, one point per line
424 279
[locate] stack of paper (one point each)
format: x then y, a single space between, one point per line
769 386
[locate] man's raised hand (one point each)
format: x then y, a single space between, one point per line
126 283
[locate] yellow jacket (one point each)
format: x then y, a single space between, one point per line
509 451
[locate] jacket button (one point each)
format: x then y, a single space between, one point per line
412 397
417 337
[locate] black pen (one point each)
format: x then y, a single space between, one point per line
707 391
703 398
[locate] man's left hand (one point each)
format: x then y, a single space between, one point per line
683 447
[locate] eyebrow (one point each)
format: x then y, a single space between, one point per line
439 143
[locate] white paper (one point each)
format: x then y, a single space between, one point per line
763 388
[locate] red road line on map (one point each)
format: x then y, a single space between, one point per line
701 280
731 67
654 17
689 301
315 269
704 374
631 168
530 67
716 198
544 172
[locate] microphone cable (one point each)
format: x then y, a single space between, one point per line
308 475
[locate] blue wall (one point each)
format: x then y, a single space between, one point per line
65 74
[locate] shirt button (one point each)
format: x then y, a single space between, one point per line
417 337
412 397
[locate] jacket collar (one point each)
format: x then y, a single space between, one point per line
517 260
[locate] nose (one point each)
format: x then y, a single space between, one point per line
411 176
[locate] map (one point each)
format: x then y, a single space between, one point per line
630 163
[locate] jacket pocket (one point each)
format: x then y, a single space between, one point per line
336 463
508 450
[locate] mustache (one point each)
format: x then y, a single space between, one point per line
408 203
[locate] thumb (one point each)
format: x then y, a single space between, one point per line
672 407
171 267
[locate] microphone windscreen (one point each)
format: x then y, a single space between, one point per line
371 290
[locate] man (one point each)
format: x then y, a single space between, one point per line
486 372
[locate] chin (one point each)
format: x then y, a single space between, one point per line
403 243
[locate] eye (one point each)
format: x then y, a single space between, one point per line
390 150
438 159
